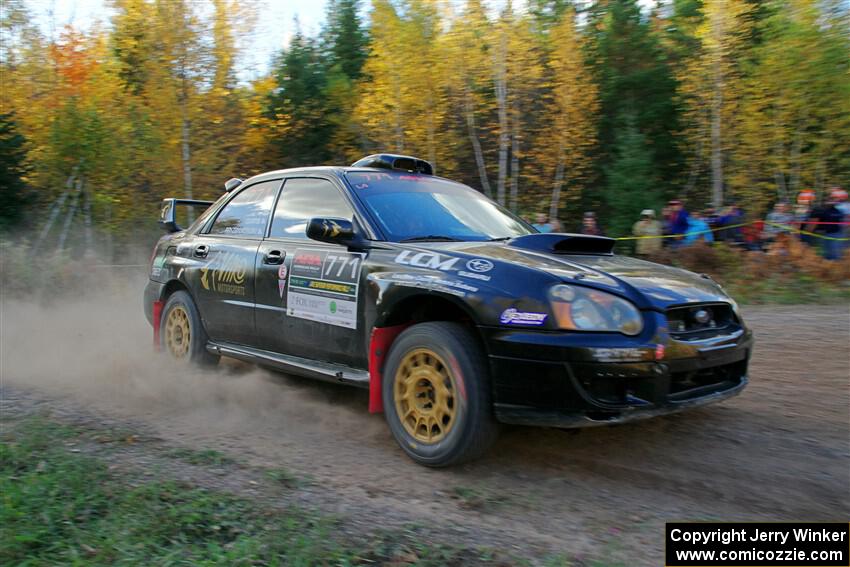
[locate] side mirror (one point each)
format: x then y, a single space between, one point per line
332 230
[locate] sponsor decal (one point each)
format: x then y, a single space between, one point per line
435 283
281 279
330 228
514 317
156 267
430 260
621 354
479 265
225 274
482 277
322 286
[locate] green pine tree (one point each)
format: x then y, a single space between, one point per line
635 78
12 171
630 182
300 96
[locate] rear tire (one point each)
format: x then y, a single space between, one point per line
436 394
181 332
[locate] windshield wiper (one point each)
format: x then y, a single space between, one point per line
501 238
432 238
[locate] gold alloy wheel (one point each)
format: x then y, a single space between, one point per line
424 393
177 333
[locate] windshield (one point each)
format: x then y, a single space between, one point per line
410 206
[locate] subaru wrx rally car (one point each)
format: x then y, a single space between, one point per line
453 312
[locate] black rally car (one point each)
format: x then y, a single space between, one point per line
453 312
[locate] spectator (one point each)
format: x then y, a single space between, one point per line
542 224
831 217
648 227
556 226
753 234
778 221
697 230
589 225
802 212
730 217
840 196
678 218
711 217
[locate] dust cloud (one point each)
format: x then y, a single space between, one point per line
95 346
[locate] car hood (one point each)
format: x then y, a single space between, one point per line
648 284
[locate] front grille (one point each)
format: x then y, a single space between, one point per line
700 320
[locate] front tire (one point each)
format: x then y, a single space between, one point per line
436 394
181 332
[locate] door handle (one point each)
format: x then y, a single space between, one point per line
202 251
274 257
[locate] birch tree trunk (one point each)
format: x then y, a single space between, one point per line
89 252
555 203
187 160
716 110
472 129
501 89
55 208
72 210
514 195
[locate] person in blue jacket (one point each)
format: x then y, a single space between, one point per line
697 230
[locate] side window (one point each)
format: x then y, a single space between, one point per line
303 199
247 213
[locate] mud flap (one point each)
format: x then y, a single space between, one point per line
379 345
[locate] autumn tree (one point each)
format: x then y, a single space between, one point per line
566 145
793 128
471 79
711 84
403 103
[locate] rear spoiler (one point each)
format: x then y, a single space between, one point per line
168 212
555 243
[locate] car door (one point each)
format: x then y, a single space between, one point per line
225 251
307 301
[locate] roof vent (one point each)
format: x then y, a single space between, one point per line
397 162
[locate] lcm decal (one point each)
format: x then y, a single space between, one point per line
426 260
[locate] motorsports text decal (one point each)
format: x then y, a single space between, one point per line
323 287
225 274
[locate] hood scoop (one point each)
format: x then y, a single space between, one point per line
564 243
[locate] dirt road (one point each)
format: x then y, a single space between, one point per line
780 451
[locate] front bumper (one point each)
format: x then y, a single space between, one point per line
578 380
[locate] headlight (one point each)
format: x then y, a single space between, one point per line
585 309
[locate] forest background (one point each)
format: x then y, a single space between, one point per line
558 107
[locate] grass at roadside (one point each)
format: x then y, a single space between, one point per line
62 507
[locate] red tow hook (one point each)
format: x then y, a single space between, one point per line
157 319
